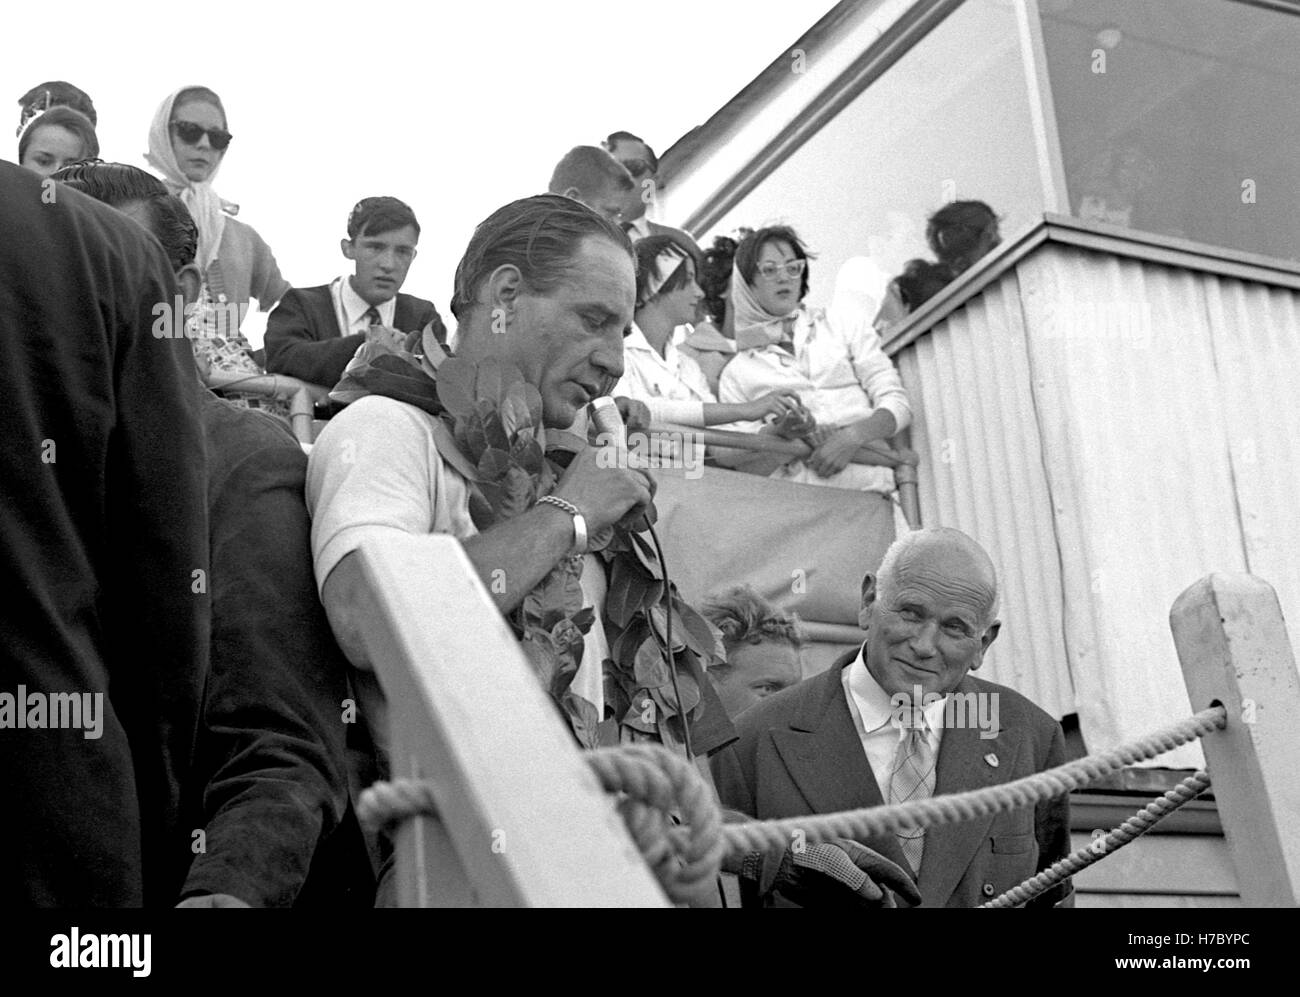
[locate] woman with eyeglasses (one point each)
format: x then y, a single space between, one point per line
833 361
187 144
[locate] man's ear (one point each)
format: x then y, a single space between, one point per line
503 289
349 251
990 635
868 599
190 283
574 193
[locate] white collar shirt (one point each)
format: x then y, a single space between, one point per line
350 308
873 719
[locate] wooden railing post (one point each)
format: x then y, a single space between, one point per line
1234 650
522 820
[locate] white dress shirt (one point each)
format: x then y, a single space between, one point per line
841 375
350 308
873 718
672 386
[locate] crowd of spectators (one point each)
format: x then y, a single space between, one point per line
185 560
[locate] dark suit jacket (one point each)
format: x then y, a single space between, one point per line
270 786
799 754
303 337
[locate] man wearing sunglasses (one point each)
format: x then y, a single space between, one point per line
641 162
316 330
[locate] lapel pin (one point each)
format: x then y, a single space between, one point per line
992 759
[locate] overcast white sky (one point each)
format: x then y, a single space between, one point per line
455 108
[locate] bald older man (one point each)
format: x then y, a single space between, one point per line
901 719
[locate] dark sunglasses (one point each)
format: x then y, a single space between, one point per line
190 134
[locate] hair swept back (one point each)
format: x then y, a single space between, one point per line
539 235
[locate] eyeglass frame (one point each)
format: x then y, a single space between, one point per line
214 135
792 268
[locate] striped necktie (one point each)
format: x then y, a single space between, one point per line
912 778
372 316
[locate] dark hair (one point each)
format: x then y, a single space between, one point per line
614 138
117 184
195 95
714 277
589 169
62 117
646 251
540 235
55 93
921 280
955 230
744 617
955 233
377 215
750 246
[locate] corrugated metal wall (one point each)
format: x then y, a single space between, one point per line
1112 430
982 472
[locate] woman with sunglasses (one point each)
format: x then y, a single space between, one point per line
187 144
832 360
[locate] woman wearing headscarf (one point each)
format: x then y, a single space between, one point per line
833 360
655 371
187 144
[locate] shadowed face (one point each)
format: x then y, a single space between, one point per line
755 671
50 148
569 342
636 159
607 200
682 304
928 628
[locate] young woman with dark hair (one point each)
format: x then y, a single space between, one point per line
51 139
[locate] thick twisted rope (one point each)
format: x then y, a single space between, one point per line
976 803
1133 828
686 856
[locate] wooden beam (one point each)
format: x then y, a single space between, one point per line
522 820
1234 650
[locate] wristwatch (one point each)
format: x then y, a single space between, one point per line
579 523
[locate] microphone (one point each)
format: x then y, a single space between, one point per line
605 414
608 421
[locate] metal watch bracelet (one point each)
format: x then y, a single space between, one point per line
579 523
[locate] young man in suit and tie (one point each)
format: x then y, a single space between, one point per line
851 738
314 331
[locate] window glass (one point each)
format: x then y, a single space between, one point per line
950 120
1180 117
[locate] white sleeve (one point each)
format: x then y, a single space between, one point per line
731 391
685 412
874 370
373 468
